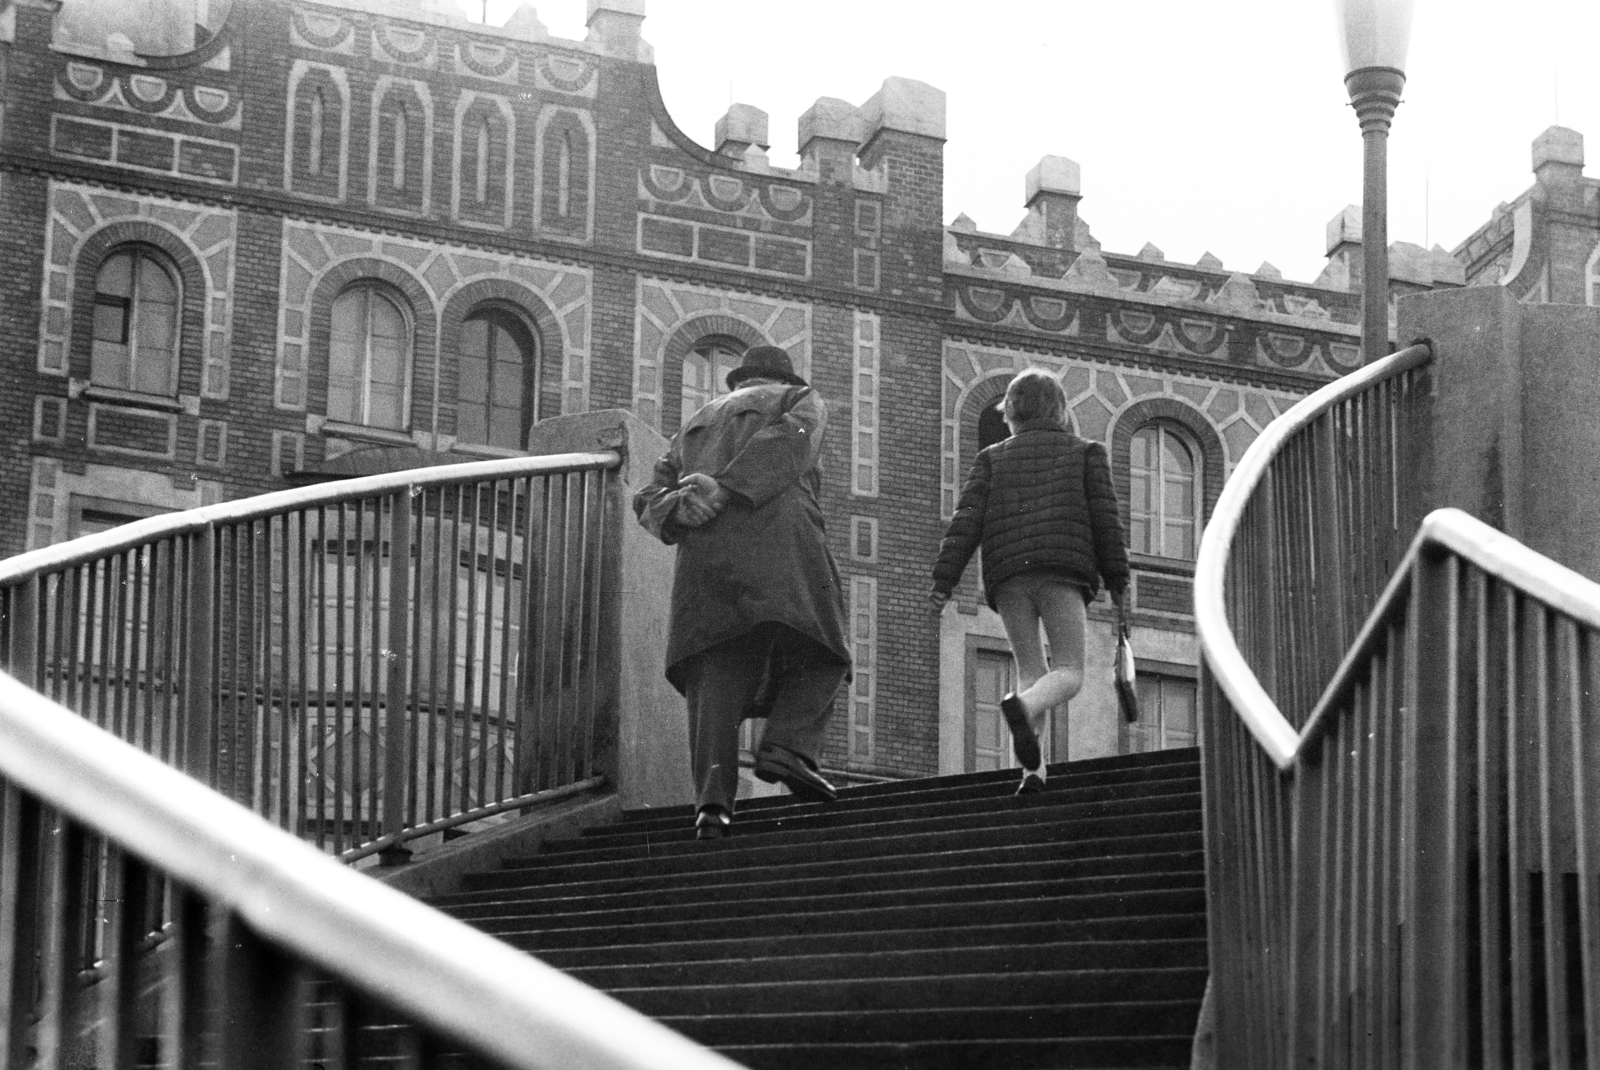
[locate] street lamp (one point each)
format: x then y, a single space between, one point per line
1374 35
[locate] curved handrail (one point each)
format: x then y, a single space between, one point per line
457 980
1233 674
1496 553
136 533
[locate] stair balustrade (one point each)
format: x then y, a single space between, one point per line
362 662
147 921
1399 762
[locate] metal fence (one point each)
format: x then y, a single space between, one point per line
361 662
145 921
1400 764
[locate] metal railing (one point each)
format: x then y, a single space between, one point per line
1403 871
360 662
146 921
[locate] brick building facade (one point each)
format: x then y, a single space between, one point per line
304 234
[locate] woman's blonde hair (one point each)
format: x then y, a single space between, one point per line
1035 395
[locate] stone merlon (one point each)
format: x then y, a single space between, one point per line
743 126
1558 145
831 119
906 105
615 25
1344 227
1052 174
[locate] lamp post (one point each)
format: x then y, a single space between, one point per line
1374 35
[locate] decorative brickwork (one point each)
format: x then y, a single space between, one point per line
318 261
864 686
88 223
673 317
866 426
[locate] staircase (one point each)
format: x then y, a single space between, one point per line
940 923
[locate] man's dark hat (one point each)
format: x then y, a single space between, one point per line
765 362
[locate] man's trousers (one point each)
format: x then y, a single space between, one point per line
771 671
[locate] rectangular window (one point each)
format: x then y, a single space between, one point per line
288 452
211 447
864 650
866 269
49 419
864 539
864 442
1168 701
869 223
869 230
988 742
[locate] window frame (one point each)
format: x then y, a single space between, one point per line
719 375
1145 668
140 252
373 287
498 312
1159 520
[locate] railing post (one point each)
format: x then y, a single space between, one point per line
1332 575
20 880
396 691
199 734
1433 862
22 660
1307 954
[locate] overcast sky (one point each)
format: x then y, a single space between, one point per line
1220 127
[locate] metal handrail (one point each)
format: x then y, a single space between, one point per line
139 532
456 980
1238 681
369 661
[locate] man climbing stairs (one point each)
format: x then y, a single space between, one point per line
943 922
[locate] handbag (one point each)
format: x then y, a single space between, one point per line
1127 691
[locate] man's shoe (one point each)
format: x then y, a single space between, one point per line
783 767
1023 742
1031 785
712 823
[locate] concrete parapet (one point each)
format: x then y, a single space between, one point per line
906 105
644 725
1504 427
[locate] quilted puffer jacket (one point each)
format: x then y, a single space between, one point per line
1039 501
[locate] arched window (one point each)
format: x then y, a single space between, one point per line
705 373
992 423
1164 492
136 301
497 397
369 360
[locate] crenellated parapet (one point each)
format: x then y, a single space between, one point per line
1545 244
1051 279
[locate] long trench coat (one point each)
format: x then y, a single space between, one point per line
765 557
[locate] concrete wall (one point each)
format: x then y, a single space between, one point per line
1507 428
644 724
